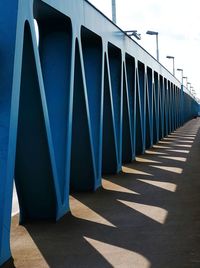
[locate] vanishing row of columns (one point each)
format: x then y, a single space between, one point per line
72 108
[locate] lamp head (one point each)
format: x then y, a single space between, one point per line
170 57
133 33
152 33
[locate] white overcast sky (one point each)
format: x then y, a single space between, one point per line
178 24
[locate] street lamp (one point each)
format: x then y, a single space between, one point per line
192 91
172 58
181 70
114 11
134 33
185 77
188 83
156 34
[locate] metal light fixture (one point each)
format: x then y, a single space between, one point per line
188 83
172 58
157 49
134 33
181 70
185 77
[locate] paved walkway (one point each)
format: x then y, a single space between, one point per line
146 216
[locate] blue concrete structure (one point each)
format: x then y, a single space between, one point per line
75 104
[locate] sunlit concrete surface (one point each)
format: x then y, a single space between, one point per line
183 145
108 185
129 169
176 158
145 160
180 151
186 141
162 184
170 169
122 256
165 142
15 206
147 216
81 211
155 213
154 152
161 147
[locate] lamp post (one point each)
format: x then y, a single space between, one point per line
172 58
156 34
114 11
185 77
181 70
188 83
192 92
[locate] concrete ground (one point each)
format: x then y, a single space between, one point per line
146 216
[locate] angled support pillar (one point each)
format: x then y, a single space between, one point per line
29 147
8 25
182 106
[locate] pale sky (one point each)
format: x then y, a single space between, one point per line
178 24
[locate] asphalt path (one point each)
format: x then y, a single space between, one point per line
146 216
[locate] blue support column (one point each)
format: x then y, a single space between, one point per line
149 109
8 26
131 92
115 72
127 141
161 108
109 143
155 109
182 105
